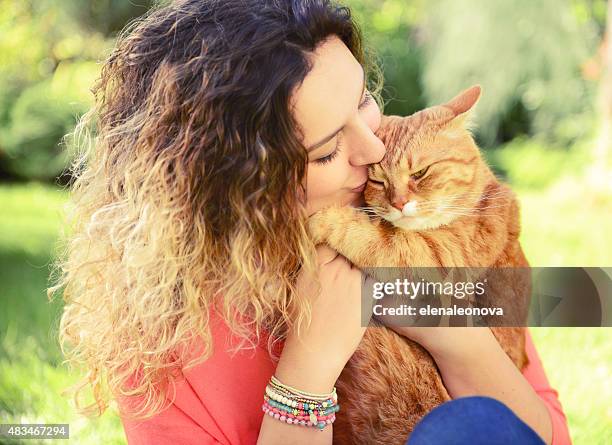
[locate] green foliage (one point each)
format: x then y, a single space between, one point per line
527 55
523 53
32 374
48 61
30 392
390 29
591 13
530 164
41 116
578 366
106 16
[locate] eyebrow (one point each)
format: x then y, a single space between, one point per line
327 138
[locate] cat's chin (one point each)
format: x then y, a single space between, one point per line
415 223
418 222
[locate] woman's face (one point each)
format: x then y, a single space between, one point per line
338 118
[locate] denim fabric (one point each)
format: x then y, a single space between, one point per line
475 420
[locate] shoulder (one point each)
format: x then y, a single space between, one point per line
216 401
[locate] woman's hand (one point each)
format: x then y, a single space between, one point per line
472 362
313 361
445 342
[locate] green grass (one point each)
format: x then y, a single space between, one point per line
565 218
568 224
31 374
577 363
564 223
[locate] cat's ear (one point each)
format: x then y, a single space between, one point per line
386 120
387 125
462 104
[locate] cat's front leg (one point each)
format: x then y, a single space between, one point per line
329 223
354 235
373 243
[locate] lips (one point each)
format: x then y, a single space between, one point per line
360 188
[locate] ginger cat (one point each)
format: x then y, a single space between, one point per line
435 203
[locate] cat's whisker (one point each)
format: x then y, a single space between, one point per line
458 213
475 215
375 210
370 208
371 212
477 208
470 209
476 211
469 212
443 202
471 195
449 201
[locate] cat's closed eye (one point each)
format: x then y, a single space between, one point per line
376 183
420 173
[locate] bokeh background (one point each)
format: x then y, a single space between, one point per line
544 123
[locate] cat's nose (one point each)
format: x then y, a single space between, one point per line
398 202
408 207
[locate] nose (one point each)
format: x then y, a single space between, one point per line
399 201
405 204
368 148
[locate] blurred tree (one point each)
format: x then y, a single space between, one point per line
525 54
391 31
107 16
48 55
42 114
601 170
592 13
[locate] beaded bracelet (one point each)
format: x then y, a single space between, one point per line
275 381
297 407
303 417
297 398
316 401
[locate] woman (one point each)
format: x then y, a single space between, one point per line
220 127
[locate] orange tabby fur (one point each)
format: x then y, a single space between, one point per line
391 382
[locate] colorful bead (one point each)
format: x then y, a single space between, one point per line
299 408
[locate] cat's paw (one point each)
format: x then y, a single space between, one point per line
318 227
322 223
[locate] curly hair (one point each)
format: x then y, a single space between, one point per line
188 193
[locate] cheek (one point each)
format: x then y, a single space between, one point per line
324 180
325 185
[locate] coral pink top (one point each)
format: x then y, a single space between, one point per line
219 401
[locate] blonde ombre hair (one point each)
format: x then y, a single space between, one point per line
188 192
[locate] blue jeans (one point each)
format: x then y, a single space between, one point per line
473 420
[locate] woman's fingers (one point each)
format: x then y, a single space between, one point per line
367 297
325 254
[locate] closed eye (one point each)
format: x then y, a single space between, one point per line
366 101
420 173
376 183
